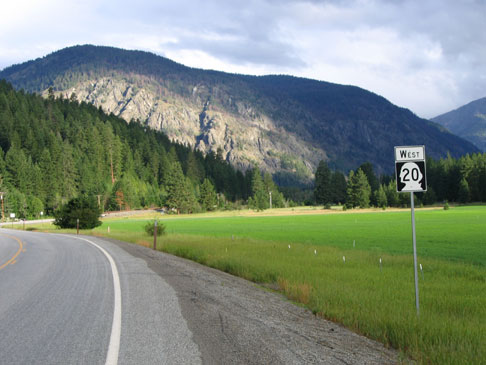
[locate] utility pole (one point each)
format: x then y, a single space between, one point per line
3 211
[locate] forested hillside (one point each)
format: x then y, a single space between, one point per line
468 122
54 149
283 124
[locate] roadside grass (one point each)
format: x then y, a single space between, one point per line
377 303
347 284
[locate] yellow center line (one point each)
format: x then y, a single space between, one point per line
21 249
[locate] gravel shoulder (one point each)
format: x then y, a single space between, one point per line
235 321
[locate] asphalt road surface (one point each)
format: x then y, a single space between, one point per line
60 304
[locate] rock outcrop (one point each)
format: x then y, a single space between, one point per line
246 138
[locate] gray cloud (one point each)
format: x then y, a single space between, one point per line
425 55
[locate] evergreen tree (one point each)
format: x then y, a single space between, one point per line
19 170
322 186
391 194
207 196
83 209
259 199
429 196
338 187
367 168
193 168
277 197
15 203
69 179
180 195
380 197
359 190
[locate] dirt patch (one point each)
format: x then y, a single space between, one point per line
265 213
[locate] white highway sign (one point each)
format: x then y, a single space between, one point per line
410 169
410 153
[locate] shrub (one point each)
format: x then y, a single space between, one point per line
82 208
149 228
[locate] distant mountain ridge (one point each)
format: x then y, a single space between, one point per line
468 122
284 124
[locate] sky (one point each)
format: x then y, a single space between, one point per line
428 56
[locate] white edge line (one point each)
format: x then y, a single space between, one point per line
114 346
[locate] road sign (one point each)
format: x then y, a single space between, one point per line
410 177
410 169
409 153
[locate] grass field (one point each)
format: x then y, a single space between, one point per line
453 234
346 283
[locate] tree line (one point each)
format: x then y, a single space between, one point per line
460 180
55 149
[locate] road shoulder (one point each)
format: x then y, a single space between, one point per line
235 321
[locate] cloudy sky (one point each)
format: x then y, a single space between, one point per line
428 56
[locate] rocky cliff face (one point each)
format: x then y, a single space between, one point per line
245 137
284 124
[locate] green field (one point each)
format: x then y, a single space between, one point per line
453 235
375 300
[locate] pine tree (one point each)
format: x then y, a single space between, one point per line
18 168
68 183
207 196
193 169
180 195
359 190
392 194
380 197
367 168
323 187
83 210
338 187
259 199
277 197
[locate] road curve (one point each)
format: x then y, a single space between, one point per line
57 305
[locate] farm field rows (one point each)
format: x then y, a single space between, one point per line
355 269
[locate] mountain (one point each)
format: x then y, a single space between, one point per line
284 124
53 150
468 122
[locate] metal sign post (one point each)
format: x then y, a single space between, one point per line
155 235
412 205
411 177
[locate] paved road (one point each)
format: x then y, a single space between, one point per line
57 296
22 222
57 305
